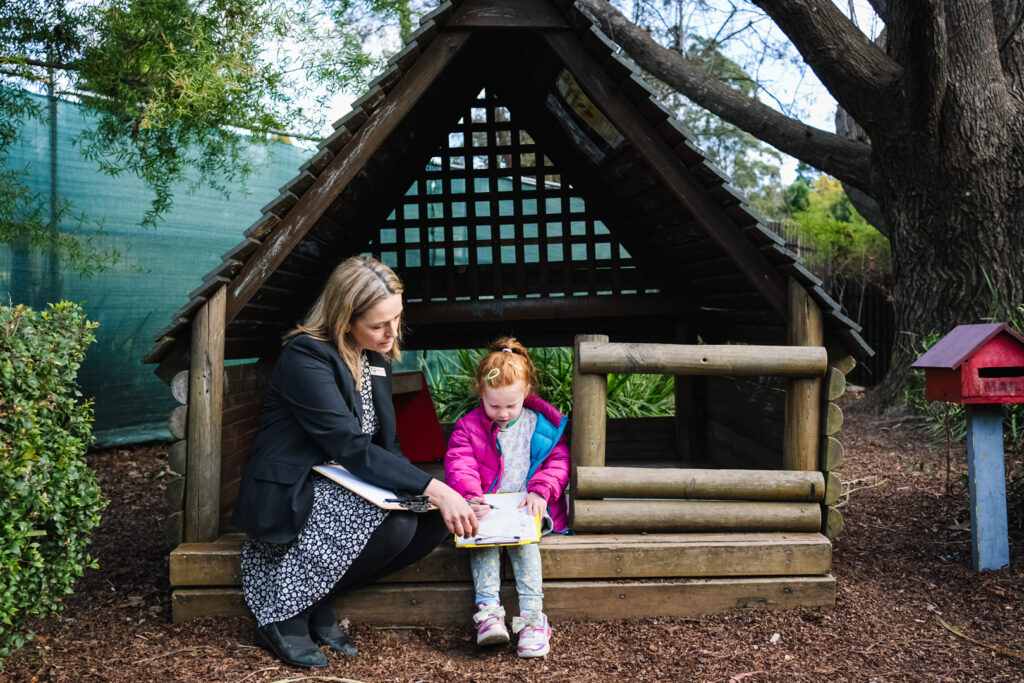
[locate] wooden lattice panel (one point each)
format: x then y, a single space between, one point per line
491 216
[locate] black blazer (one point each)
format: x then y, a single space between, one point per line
311 415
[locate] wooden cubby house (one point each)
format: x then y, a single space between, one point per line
521 177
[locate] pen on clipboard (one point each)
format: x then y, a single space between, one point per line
493 507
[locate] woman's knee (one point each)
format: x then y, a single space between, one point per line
397 529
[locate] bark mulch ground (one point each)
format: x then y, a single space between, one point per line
902 567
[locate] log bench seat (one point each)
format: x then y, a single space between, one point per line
594 576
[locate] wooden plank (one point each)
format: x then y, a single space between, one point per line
174 527
202 493
833 421
701 484
343 168
618 556
702 359
530 14
832 524
800 440
842 361
563 308
601 516
833 489
835 384
179 386
450 604
690 192
832 454
590 410
177 457
175 494
178 422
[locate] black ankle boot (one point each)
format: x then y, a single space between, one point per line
326 631
293 650
334 637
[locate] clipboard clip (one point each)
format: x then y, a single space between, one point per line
412 503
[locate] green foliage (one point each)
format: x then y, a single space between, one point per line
451 384
181 89
840 238
51 501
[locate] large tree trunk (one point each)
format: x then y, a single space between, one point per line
951 185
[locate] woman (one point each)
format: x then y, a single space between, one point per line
329 399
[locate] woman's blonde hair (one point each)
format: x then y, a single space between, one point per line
507 362
357 284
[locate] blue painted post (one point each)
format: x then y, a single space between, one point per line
990 546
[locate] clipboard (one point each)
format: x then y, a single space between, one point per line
506 524
381 497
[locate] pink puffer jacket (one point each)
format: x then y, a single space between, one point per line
473 466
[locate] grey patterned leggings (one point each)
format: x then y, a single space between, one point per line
486 566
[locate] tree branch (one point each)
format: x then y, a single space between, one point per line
881 8
857 72
58 66
845 159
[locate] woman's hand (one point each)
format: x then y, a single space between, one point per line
535 504
481 509
456 511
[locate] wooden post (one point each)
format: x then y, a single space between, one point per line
685 406
589 409
990 546
801 439
205 398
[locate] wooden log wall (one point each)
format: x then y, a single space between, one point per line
177 461
741 421
700 484
830 451
241 419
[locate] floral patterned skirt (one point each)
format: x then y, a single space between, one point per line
279 580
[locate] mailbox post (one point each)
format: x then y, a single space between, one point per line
981 366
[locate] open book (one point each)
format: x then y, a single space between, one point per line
381 497
505 524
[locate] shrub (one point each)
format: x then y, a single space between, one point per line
50 501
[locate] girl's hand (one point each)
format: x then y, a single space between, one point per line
456 511
479 510
535 504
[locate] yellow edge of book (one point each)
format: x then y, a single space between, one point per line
511 500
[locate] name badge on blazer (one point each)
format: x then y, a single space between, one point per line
377 372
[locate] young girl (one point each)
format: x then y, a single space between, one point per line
512 441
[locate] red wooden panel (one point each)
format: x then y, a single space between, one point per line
419 430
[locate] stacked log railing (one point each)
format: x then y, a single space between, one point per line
704 500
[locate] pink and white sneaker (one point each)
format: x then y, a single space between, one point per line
534 634
490 625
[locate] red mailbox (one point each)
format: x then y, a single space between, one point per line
975 364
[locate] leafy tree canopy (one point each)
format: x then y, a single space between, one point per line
854 250
181 87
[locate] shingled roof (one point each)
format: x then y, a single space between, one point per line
695 251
